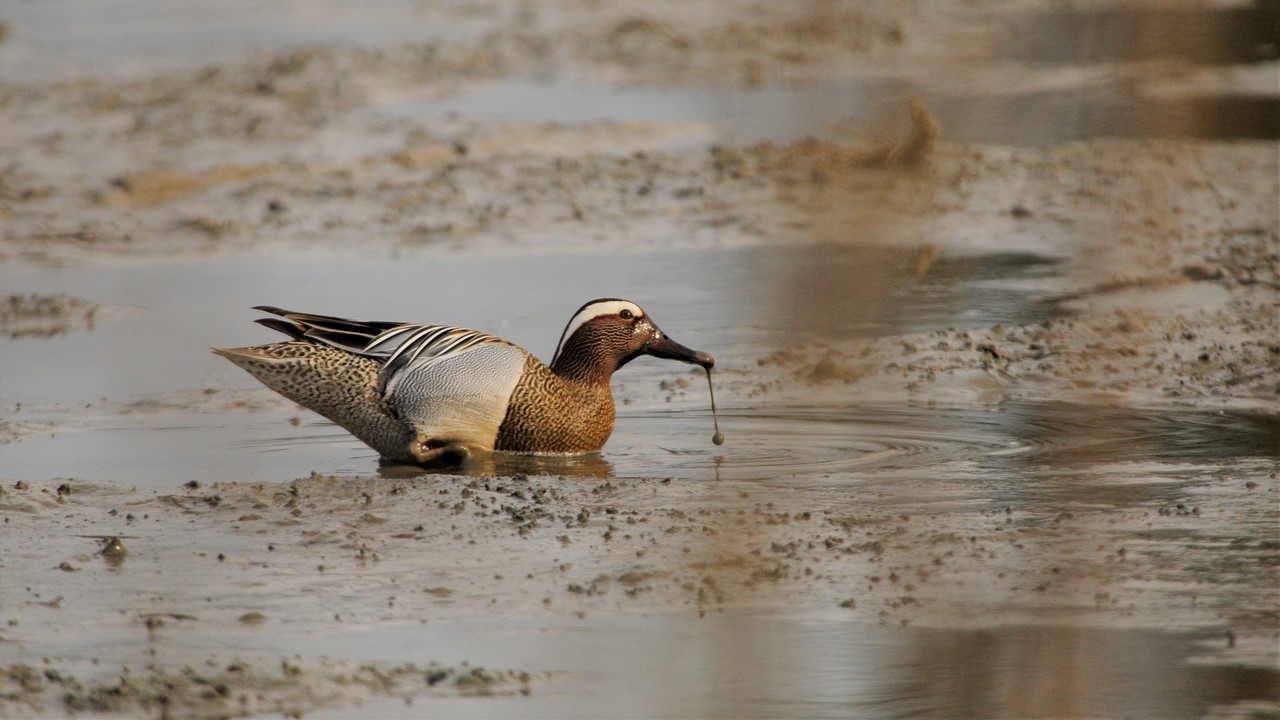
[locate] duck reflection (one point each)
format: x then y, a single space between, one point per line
590 465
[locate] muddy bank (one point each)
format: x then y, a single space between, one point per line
45 315
241 689
215 570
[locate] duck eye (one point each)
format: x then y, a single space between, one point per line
626 315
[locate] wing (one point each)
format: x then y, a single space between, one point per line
417 347
458 388
398 346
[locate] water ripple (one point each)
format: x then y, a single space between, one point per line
777 442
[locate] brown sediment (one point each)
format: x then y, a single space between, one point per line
877 148
925 131
147 188
240 688
45 315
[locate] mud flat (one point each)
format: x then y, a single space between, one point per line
995 322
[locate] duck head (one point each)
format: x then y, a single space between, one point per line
608 333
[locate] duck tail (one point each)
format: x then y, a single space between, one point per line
338 385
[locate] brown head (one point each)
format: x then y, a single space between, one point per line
608 333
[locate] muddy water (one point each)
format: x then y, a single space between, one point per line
157 411
847 553
151 389
830 669
131 38
970 110
778 114
123 36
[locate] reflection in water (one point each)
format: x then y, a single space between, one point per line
1056 672
1070 435
1055 439
1200 35
1040 456
591 465
743 663
838 291
1026 119
1121 107
1233 35
1117 110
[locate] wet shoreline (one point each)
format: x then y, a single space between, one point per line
1001 402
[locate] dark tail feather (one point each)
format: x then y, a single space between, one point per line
351 334
328 323
293 330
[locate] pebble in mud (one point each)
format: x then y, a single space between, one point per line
113 551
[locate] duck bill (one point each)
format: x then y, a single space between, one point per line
664 347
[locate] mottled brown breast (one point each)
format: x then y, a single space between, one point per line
548 414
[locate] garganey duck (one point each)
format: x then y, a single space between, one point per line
433 394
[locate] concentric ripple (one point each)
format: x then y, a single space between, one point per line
805 441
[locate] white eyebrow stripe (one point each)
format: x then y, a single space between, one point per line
591 312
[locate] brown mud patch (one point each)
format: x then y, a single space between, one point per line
156 187
45 315
289 688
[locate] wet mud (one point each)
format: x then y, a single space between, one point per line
994 304
45 315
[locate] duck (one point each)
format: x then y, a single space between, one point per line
437 394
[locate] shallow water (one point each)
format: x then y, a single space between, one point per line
150 388
52 38
1178 503
125 37
1230 34
173 413
832 669
784 113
